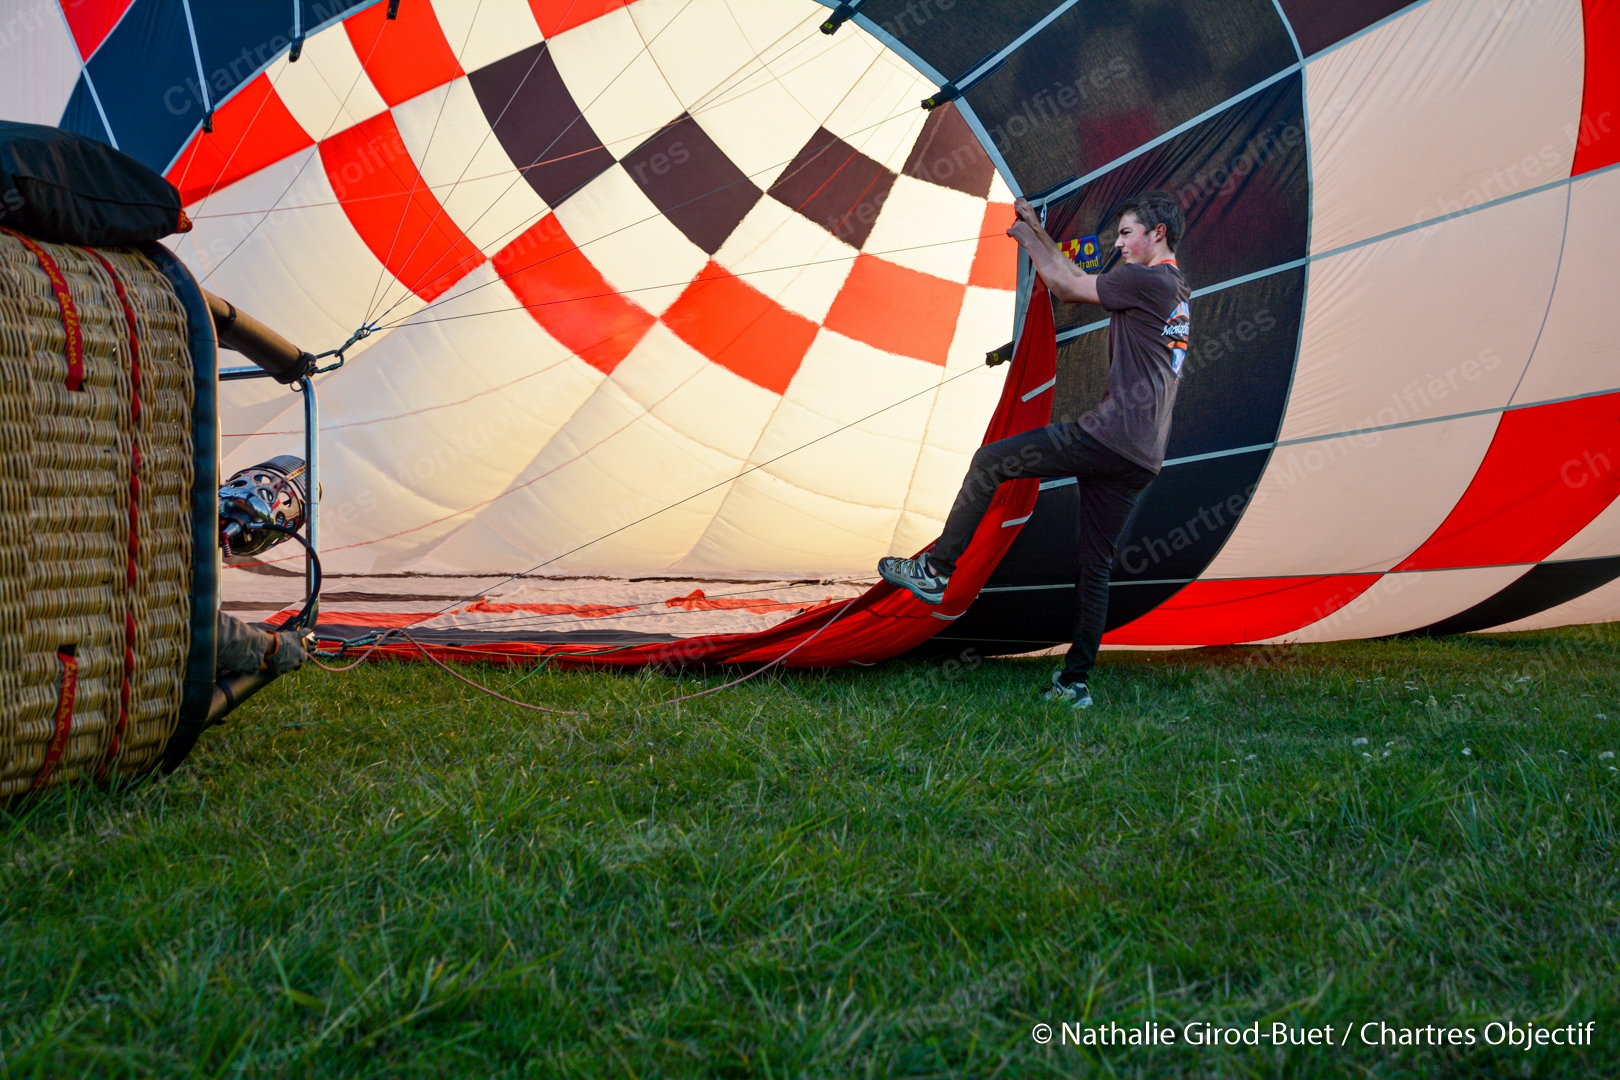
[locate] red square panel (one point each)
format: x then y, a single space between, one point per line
555 16
995 263
90 20
252 130
566 294
897 309
740 328
404 56
393 210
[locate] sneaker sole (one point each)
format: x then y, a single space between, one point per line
928 598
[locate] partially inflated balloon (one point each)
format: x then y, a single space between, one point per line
694 287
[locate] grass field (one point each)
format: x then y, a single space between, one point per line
896 871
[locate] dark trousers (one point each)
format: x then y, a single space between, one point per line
1109 488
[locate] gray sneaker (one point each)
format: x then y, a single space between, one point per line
1076 693
915 575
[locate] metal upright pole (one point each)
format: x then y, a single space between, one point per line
312 486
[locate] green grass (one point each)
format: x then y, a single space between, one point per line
895 871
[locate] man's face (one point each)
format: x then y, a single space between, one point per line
1136 243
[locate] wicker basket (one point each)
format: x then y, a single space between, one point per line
96 512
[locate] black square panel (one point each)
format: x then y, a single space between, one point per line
948 153
693 182
836 186
538 124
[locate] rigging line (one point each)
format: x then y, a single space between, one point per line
679 502
613 232
579 115
226 168
342 110
842 608
714 98
478 686
545 49
427 151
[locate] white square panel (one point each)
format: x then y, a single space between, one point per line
789 31
481 32
759 126
634 246
693 395
912 533
938 478
880 116
963 406
463 163
843 382
305 272
928 228
769 524
699 47
823 76
41 65
593 479
615 81
452 407
792 260
327 90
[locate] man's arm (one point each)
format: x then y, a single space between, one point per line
1066 280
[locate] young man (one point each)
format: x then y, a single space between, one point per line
1114 450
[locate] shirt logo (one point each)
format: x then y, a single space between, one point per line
1175 332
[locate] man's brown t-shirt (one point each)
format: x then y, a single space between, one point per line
1147 344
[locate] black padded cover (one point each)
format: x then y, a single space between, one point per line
70 189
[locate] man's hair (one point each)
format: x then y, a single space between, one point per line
1155 208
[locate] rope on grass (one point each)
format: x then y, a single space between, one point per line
757 671
574 712
476 686
316 660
